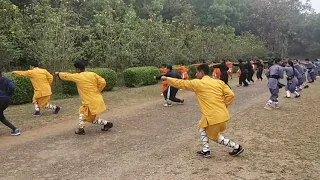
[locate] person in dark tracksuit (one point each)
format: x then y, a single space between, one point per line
260 67
224 71
6 89
244 73
250 72
170 93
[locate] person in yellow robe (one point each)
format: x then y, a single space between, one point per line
214 97
90 86
41 81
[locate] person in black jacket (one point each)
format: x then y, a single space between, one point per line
224 71
6 89
244 73
170 93
250 72
260 67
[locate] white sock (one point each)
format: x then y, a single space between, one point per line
296 93
36 107
50 106
81 121
204 140
288 93
227 142
100 121
269 103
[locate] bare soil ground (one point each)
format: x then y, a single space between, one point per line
149 141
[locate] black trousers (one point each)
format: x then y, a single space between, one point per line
4 103
250 76
225 78
259 74
242 79
172 92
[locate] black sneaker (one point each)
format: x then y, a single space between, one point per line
307 86
56 111
80 131
181 102
236 152
204 154
108 126
297 96
37 114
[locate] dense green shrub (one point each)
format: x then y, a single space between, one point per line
108 74
140 76
24 91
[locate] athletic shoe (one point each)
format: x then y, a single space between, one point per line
297 96
204 154
287 97
56 111
80 131
108 126
237 152
307 86
167 105
15 132
276 106
267 107
37 113
182 101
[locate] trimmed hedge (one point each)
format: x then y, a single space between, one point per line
108 74
24 90
140 76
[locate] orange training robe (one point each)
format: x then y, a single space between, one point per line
184 72
163 71
216 71
230 71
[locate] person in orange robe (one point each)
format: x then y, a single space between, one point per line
216 71
164 84
183 70
229 65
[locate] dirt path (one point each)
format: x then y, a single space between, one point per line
153 142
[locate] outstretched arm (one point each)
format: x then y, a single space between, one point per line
67 76
22 73
190 85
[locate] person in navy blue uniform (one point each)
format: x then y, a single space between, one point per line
6 90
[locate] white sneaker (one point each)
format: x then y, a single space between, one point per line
167 105
276 106
268 107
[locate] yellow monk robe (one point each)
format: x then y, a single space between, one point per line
41 81
163 71
90 86
214 97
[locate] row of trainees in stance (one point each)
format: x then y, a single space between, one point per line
297 74
214 102
89 84
303 72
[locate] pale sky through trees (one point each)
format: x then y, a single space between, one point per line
316 5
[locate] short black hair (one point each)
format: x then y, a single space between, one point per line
34 63
80 64
277 60
240 61
205 68
169 67
182 64
164 65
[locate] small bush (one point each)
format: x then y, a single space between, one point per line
24 90
108 74
140 76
